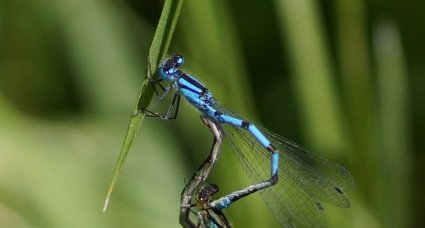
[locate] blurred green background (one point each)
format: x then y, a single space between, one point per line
343 78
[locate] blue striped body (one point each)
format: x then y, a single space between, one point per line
201 98
306 179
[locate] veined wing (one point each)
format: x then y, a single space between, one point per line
305 180
324 179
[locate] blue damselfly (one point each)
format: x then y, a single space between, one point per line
293 193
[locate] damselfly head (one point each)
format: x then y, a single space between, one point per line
204 194
168 69
167 73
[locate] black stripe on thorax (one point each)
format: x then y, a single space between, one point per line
188 88
193 82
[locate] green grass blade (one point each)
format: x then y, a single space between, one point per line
159 47
394 115
303 29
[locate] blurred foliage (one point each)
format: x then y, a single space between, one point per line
343 78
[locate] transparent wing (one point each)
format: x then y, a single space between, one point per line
324 179
305 180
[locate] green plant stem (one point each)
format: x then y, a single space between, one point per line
161 42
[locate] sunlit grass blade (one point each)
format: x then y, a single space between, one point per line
161 41
301 22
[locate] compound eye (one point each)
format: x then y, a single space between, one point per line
178 60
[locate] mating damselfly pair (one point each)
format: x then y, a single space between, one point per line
293 182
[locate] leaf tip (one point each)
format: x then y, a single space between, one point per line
105 205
